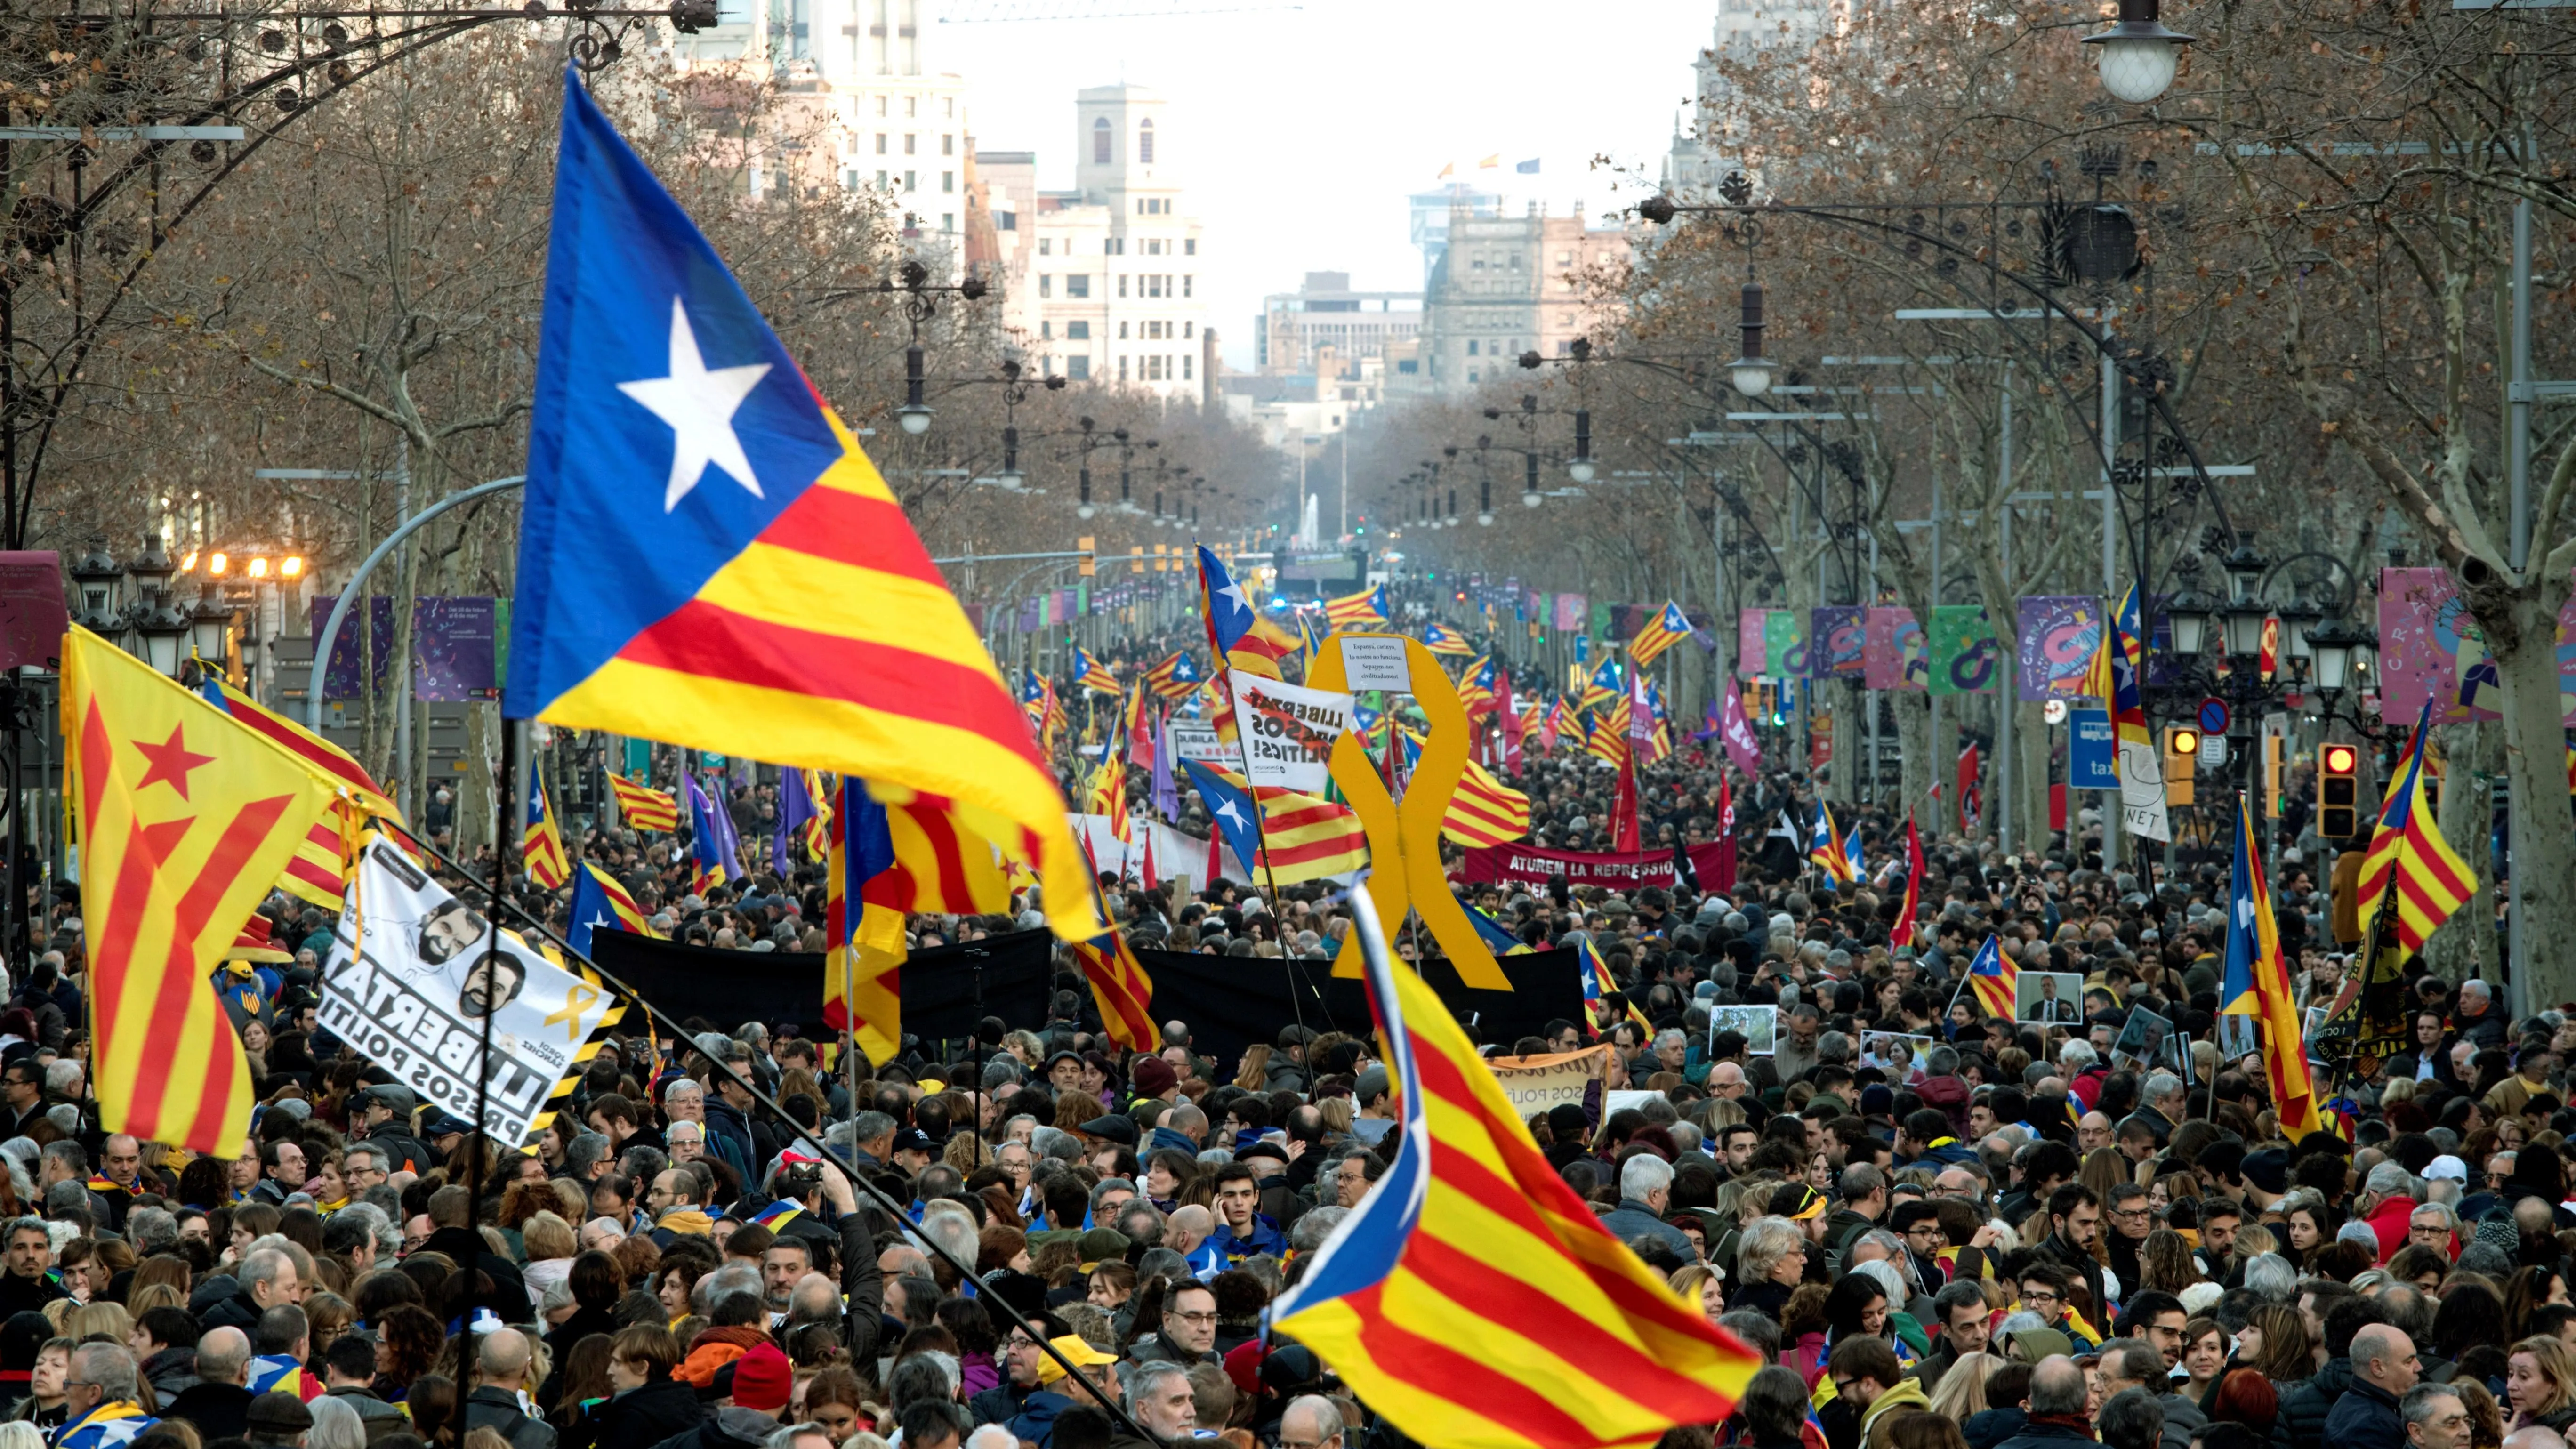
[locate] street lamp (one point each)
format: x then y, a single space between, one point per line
1581 469
209 622
2189 615
914 414
101 582
1751 373
2335 643
2138 55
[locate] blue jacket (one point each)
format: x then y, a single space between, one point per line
1633 1219
729 1137
1224 1250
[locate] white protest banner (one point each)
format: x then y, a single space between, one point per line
1288 731
410 976
1377 663
1535 1084
1199 742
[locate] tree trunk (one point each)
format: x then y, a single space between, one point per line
2540 846
2472 755
1914 755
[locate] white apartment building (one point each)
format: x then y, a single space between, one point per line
889 120
1700 157
1105 281
1505 285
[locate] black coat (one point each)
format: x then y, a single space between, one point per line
646 1415
2304 1409
220 1411
2366 1417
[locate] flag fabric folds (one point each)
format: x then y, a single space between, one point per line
642 807
1119 984
1091 674
187 818
1441 639
1473 1298
2256 983
2411 879
1903 932
1662 632
1825 850
712 843
1230 807
1175 678
769 600
1601 686
1356 611
599 903
1485 811
343 768
863 964
1109 796
541 847
1302 837
1238 637
1997 979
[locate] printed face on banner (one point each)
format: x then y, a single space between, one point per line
2049 996
2060 634
1288 731
1760 1025
412 977
1893 1051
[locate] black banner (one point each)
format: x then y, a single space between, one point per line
1230 1002
941 986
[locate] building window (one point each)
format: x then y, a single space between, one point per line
948 182
881 143
911 143
948 107
1516 261
1077 284
948 145
1100 142
1408 367
908 181
1078 368
1077 332
1478 264
1006 221
1186 279
1046 284
1187 328
1565 259
1190 248
1186 359
881 180
1152 367
1471 347
1145 142
1046 246
1122 367
1046 330
947 221
881 105
1122 330
911 105
1122 284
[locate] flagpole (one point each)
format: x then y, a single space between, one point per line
503 784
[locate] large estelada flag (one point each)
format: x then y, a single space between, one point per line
187 818
706 554
1471 1297
2257 984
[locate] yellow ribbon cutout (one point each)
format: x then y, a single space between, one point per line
576 1001
1404 839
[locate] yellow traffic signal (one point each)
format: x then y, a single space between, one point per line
1091 562
2182 763
2338 792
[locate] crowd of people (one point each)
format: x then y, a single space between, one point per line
1939 1229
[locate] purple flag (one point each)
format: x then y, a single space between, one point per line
1737 732
1167 794
795 807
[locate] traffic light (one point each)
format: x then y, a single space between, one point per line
2338 792
2182 763
2276 775
1091 561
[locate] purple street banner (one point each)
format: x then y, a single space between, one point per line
1571 611
453 660
1892 655
1834 642
340 671
2060 634
1752 645
33 614
1033 615
2431 647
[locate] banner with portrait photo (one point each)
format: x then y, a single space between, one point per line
410 976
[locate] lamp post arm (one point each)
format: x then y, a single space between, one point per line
356 587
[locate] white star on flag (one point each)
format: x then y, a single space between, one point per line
1234 592
1231 814
698 404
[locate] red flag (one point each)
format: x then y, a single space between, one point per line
1152 881
1623 808
1723 878
1903 934
1511 721
1972 800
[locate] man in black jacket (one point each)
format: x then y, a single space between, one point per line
2305 1409
219 1401
2074 1225
501 1370
24 1287
2384 1367
1020 1359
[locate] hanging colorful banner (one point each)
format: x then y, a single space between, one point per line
1892 654
1834 646
2060 634
2430 647
1962 649
452 649
1752 647
1785 638
1570 611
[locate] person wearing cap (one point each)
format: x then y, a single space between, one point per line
763 1382
1064 1071
1155 1079
1035 1422
281 1420
387 1109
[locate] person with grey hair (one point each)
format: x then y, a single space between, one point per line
1770 1257
218 1400
2270 1276
1864 1194
152 1229
586 1157
2436 1417
1645 1190
1313 1226
2161 1106
2057 1386
1159 1394
265 1278
1310 1422
99 1392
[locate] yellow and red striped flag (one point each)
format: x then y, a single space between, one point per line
2256 983
1302 837
1485 811
1109 796
541 847
1119 985
1607 741
1358 611
1662 632
187 817
1472 1297
642 807
1441 639
862 969
2409 860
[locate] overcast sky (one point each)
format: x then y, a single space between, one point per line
1300 132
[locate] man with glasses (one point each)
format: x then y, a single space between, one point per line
1352 1178
1188 1332
1021 1357
99 1399
2132 1217
2043 1291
